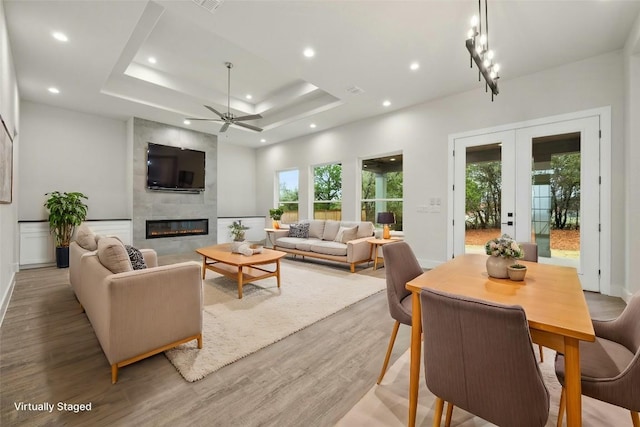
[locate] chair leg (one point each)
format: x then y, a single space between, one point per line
541 355
635 419
392 341
563 402
447 419
437 417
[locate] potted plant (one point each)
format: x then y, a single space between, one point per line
517 272
275 215
502 251
237 232
66 211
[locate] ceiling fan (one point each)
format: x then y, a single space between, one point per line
228 118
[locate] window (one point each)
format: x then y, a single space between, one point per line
327 191
288 195
382 188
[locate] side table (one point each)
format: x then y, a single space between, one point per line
375 244
270 232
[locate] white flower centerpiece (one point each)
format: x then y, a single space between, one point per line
502 251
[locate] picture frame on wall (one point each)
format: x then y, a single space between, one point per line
6 163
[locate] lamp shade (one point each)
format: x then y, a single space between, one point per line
386 218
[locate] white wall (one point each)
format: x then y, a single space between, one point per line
236 181
421 132
10 110
66 150
632 154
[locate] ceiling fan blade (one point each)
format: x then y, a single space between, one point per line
214 110
244 125
224 127
205 120
250 117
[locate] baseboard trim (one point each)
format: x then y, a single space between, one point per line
7 297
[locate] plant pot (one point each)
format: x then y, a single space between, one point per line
276 224
62 256
516 274
497 266
235 246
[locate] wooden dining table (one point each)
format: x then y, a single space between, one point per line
550 295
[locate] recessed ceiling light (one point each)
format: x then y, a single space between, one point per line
312 125
414 66
152 60
249 96
263 140
61 37
187 122
309 53
54 90
393 159
386 103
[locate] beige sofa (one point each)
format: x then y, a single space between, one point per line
136 313
339 241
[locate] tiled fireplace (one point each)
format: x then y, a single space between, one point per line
176 227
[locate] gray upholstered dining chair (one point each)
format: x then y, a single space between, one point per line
610 366
478 356
531 254
400 266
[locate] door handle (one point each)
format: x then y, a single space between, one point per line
508 223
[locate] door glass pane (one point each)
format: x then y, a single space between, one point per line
483 196
555 215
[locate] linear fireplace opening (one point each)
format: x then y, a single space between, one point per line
176 227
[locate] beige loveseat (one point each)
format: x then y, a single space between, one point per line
339 241
136 313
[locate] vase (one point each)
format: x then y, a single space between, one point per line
497 266
276 224
516 274
236 245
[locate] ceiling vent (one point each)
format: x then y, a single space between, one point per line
210 5
355 90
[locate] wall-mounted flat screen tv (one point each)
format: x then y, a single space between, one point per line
174 168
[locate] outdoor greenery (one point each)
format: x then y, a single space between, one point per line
327 186
483 195
394 190
484 189
565 190
66 211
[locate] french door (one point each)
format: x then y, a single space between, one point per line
536 183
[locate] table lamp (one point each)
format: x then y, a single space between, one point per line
386 218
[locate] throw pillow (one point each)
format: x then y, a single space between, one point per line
345 234
113 255
86 238
299 230
136 258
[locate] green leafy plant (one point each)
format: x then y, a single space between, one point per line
237 230
518 266
66 211
276 213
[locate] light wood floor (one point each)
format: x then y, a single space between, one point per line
49 353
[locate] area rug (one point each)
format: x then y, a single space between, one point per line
387 404
234 328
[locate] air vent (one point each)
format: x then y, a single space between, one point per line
210 5
355 90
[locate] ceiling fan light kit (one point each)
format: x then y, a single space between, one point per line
478 46
228 118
